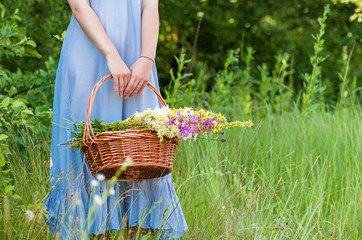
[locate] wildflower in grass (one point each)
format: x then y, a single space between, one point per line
94 183
97 200
100 177
29 215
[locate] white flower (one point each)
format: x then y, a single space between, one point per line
29 215
100 177
111 191
94 183
157 120
97 200
187 111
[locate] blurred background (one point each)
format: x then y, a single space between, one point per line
204 31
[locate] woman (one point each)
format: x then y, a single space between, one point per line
117 37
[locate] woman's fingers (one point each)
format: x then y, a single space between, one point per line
140 74
138 86
121 86
120 72
141 89
116 85
135 86
120 82
130 87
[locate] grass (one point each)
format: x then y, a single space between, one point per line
285 178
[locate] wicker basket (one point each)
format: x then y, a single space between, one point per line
107 151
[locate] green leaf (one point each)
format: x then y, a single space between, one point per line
31 43
9 189
33 53
6 171
5 102
41 109
18 105
2 160
16 196
12 91
28 111
3 137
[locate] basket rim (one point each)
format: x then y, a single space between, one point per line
135 133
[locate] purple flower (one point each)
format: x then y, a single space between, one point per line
179 116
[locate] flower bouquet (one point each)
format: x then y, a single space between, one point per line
148 138
177 124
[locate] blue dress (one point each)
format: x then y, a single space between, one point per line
71 209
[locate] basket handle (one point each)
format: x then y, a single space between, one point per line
88 126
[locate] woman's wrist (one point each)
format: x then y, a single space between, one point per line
110 52
148 57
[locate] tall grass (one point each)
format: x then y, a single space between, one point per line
285 179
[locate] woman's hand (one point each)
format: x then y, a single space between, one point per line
140 75
142 68
120 72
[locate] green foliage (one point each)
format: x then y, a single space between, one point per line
268 27
312 84
77 129
178 92
15 114
34 86
13 39
221 93
348 86
273 93
42 19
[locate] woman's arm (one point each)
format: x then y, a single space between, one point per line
150 27
94 30
142 68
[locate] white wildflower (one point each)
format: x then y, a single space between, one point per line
157 120
100 177
29 215
94 183
97 200
187 111
112 191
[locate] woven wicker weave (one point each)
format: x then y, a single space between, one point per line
107 151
